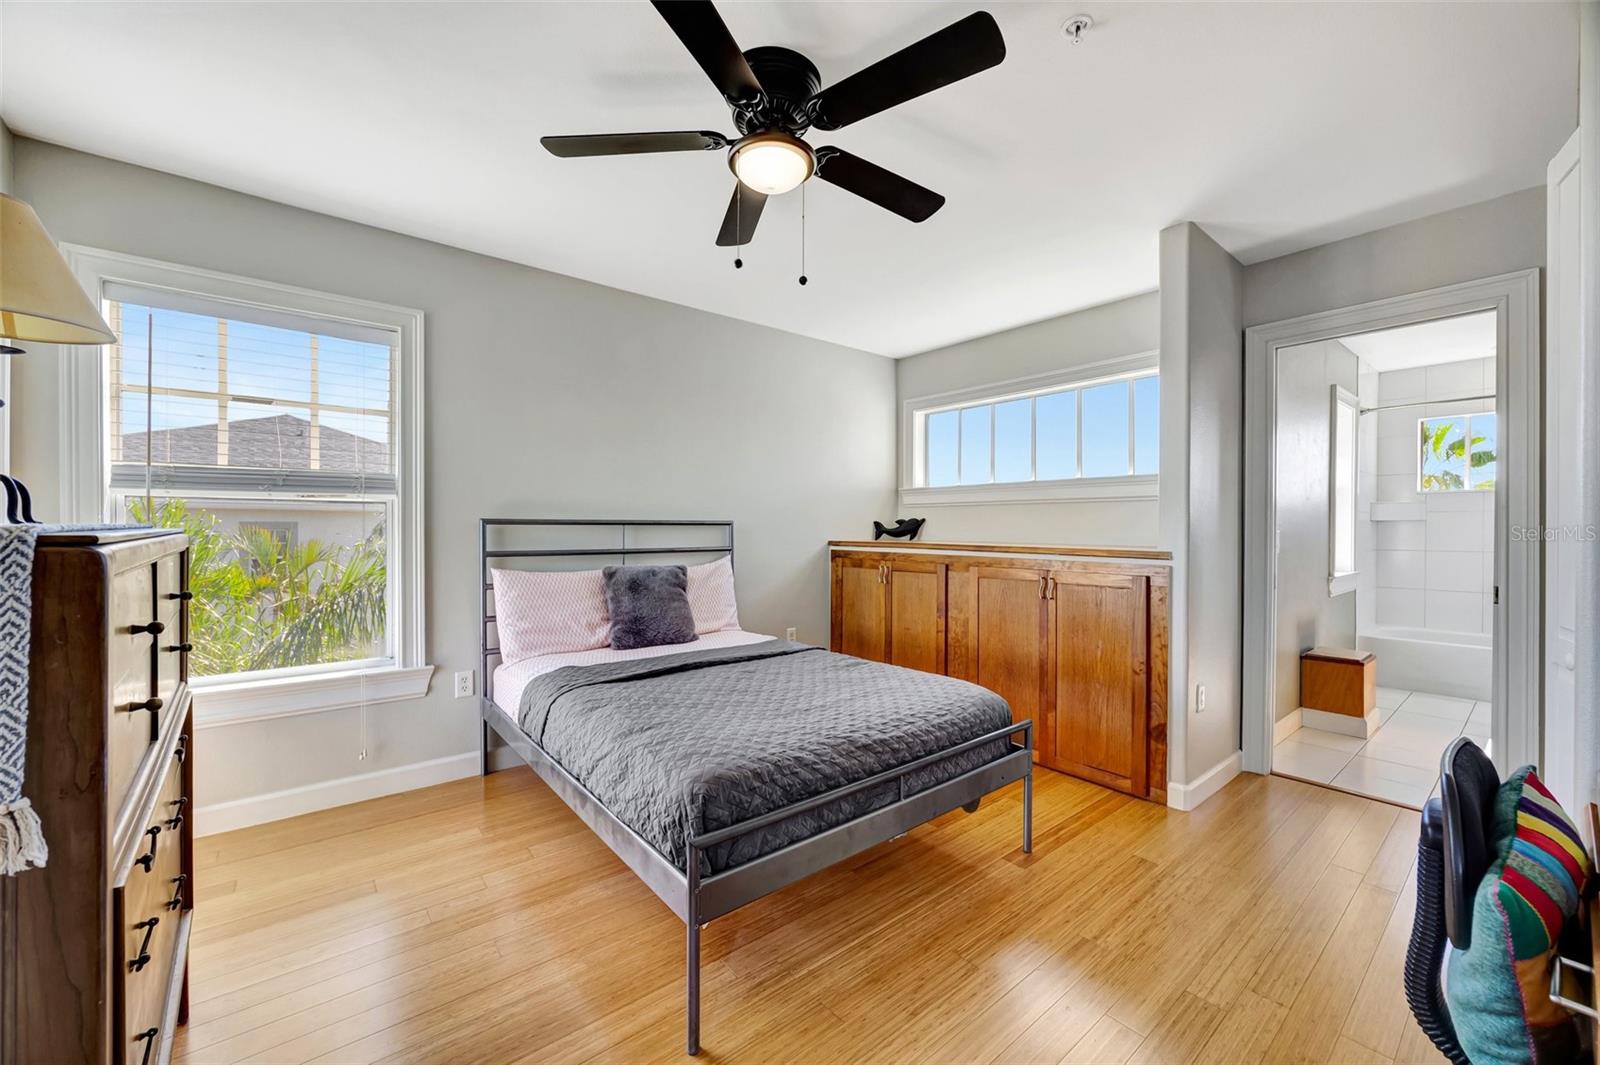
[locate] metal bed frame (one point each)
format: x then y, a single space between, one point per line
697 899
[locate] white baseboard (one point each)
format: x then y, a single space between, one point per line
291 802
1285 726
1190 796
1361 728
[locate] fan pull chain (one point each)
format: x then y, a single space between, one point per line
738 226
802 234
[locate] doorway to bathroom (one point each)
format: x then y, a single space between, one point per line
1387 460
1388 612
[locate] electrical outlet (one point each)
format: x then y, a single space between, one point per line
1199 698
464 684
788 634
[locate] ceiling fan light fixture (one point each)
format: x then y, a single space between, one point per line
772 163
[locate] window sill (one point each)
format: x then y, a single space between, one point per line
1343 584
1089 489
235 702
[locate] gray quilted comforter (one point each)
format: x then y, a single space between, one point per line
688 743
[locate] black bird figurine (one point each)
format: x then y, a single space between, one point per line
905 527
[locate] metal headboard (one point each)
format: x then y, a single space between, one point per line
621 553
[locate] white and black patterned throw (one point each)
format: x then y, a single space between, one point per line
21 837
21 840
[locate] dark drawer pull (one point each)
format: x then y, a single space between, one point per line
176 902
182 597
149 926
179 648
151 705
148 859
181 749
154 628
149 1035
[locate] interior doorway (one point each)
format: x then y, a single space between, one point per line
1386 466
1389 449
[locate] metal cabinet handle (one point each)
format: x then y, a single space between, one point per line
176 819
151 705
179 648
181 749
176 902
149 1035
154 628
149 926
148 858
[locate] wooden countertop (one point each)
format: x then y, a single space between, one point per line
1149 553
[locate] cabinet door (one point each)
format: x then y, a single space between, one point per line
1098 721
1008 631
916 614
861 608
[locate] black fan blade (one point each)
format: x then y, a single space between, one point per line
872 182
744 211
633 143
703 32
958 51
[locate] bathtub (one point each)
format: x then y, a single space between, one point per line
1444 663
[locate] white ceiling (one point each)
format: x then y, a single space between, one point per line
1471 336
1275 126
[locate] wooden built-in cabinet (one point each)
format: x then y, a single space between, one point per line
1079 645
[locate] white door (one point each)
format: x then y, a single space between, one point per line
1563 328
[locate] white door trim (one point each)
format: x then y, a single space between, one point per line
1518 617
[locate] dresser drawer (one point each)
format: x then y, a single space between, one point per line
135 717
172 611
149 910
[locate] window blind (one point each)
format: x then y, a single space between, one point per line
222 396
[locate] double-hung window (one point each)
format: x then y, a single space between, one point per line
277 429
1094 434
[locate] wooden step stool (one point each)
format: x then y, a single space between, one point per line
1339 690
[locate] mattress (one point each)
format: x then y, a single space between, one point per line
511 678
682 744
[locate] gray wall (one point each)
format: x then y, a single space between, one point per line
1307 615
1202 402
7 151
1126 327
545 396
1493 237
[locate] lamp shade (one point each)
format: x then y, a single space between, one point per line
39 297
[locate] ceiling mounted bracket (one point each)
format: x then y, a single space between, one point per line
1075 27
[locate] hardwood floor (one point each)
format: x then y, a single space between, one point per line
481 921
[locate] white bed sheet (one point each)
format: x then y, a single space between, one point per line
512 678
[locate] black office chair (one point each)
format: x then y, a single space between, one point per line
1452 855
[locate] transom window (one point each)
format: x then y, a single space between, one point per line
1458 453
1104 428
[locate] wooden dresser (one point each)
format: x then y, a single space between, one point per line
94 946
1074 638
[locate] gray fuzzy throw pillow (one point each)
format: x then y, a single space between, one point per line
649 606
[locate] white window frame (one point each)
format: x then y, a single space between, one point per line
913 442
86 495
1467 472
1342 582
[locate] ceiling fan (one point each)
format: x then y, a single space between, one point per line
776 96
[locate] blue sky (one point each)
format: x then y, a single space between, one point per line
264 361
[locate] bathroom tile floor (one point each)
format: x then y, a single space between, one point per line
1400 762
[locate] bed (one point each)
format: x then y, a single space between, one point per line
725 769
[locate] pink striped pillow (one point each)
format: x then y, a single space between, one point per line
549 613
711 597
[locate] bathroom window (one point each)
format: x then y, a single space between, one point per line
1458 453
1342 470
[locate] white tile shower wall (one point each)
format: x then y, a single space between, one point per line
1436 573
